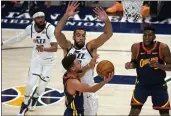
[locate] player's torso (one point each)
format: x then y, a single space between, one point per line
72 102
84 56
41 38
145 73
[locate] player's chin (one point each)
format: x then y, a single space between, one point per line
146 43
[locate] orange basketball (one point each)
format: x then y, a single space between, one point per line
104 68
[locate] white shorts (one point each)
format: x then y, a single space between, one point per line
42 68
90 104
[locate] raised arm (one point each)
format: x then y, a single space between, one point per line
61 39
19 37
108 32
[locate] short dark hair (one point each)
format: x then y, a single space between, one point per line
80 28
149 27
68 61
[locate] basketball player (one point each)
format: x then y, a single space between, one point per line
151 59
43 57
73 88
84 52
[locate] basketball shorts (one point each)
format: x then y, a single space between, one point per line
90 104
69 112
158 93
43 68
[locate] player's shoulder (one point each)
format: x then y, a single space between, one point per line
29 26
163 45
49 25
135 45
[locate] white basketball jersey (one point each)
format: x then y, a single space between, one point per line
84 56
41 38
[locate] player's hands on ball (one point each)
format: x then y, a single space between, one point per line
93 61
39 48
71 9
129 65
109 77
100 14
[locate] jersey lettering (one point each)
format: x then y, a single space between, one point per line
40 41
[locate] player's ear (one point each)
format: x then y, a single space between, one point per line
73 68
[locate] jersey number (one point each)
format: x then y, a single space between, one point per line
40 41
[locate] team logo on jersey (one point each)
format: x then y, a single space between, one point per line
14 96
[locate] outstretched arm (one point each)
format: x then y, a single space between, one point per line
108 32
61 39
19 37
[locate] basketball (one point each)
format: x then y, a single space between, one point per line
104 68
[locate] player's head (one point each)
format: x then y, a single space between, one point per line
71 64
39 18
149 35
79 37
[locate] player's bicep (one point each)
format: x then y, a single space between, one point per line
134 51
78 86
96 43
50 34
62 41
166 54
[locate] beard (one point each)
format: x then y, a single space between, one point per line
41 26
79 46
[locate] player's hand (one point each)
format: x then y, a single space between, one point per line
93 61
129 65
100 14
155 64
71 9
39 48
110 76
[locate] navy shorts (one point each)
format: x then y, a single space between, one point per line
158 93
69 112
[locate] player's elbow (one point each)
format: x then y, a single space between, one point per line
108 35
92 90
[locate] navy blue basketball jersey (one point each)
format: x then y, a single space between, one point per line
145 73
74 103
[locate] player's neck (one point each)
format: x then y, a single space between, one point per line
74 74
150 46
77 47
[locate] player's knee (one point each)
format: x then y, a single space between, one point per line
32 79
164 112
135 110
46 79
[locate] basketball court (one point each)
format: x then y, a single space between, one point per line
114 98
